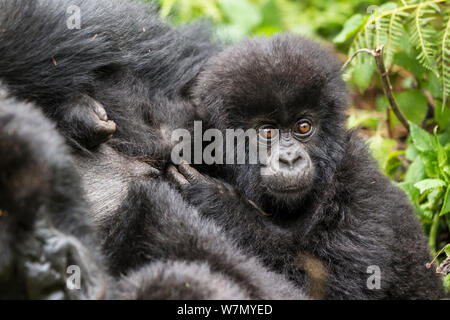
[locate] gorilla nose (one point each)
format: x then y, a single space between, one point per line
290 158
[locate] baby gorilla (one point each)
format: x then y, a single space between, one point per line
324 215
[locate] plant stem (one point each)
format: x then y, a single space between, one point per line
387 88
433 233
429 264
385 81
354 55
388 123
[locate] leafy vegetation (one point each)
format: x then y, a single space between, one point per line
420 30
238 18
415 39
415 36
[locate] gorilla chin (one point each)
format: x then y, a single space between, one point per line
289 188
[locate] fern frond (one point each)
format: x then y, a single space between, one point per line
445 59
394 33
383 28
364 40
423 36
388 25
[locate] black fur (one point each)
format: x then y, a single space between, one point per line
44 223
141 69
168 250
123 63
154 224
130 72
351 218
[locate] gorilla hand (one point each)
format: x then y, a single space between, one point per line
195 185
85 121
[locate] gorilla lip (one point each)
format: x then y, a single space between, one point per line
285 189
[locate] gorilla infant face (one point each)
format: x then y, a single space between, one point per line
287 171
291 91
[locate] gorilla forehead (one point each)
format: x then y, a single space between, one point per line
281 76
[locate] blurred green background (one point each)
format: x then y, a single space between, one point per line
416 39
238 18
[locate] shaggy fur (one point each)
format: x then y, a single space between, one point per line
154 224
351 218
44 224
170 251
143 73
124 62
130 69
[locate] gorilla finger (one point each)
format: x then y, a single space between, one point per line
177 177
191 174
153 172
99 110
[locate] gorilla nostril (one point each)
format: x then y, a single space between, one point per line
285 160
290 158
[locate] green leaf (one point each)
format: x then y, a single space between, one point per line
423 141
409 62
444 137
241 13
447 250
351 26
166 7
393 163
411 152
434 200
423 36
442 158
442 115
272 17
447 281
381 149
411 191
363 118
446 206
426 216
413 105
392 34
428 184
431 83
362 74
429 159
445 65
416 171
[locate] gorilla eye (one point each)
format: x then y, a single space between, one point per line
304 128
267 132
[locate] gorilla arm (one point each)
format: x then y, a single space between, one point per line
243 220
156 236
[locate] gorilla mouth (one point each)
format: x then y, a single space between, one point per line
280 184
285 189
